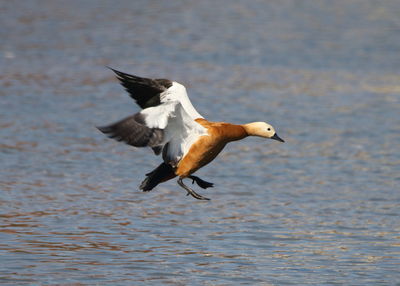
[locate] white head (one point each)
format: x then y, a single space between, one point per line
262 129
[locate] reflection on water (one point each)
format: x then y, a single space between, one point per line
322 208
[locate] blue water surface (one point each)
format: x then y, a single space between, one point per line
320 209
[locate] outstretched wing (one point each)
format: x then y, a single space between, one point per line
167 126
153 92
145 91
133 131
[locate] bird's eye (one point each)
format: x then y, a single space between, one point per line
269 129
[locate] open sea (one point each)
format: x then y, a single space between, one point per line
321 209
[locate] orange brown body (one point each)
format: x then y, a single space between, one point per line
207 147
169 124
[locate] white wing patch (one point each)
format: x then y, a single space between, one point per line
158 116
177 92
182 132
180 129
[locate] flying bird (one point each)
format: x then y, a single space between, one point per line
169 124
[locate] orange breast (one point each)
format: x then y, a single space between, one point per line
201 153
204 150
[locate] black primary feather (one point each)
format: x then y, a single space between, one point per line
145 91
132 131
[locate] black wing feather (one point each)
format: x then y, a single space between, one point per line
131 131
145 91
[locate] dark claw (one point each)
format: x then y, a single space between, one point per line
202 184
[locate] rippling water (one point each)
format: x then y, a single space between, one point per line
322 208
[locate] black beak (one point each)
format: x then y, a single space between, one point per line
276 137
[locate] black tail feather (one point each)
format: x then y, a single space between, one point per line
161 174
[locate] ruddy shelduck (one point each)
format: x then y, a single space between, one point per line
170 125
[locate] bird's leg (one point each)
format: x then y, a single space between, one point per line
202 184
191 192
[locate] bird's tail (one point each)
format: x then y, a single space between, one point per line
162 173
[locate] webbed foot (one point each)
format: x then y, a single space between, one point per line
202 184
